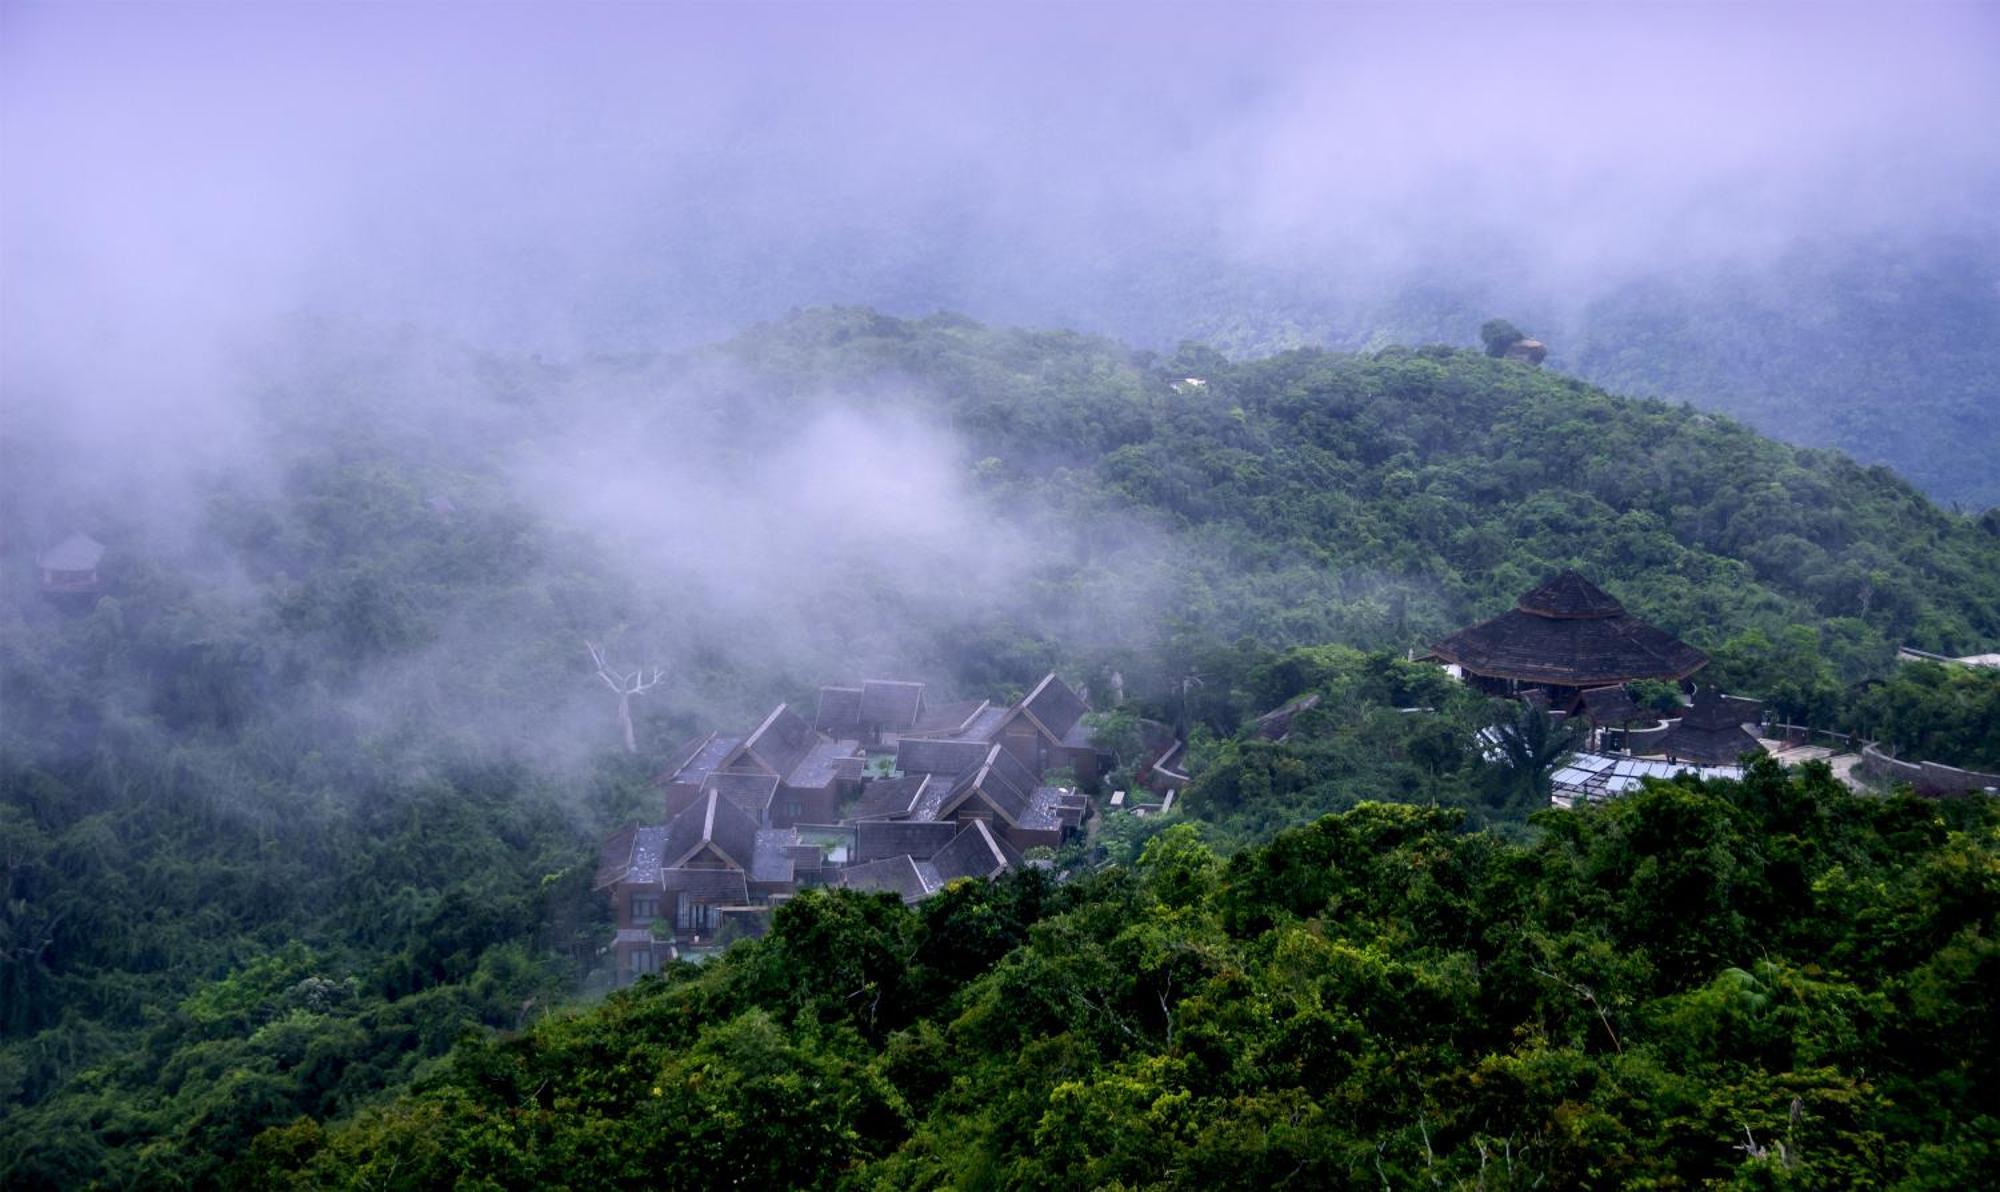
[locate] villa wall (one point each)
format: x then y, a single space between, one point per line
1928 778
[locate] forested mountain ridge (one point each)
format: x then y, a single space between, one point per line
1434 470
1765 984
315 785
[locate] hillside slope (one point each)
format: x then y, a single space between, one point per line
313 786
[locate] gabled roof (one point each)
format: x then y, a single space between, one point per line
711 821
948 720
975 852
1711 732
78 552
824 762
892 704
1001 781
876 839
839 711
1570 633
697 759
631 855
750 792
1054 707
894 875
924 755
776 862
891 798
778 745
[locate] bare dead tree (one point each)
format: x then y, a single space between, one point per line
625 684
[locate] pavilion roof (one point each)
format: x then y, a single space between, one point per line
1569 632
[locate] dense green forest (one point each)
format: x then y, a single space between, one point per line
1765 984
312 791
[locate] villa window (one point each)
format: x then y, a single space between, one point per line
694 916
645 909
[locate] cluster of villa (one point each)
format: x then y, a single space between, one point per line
1570 647
881 790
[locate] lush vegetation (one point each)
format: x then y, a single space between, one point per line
1771 984
314 789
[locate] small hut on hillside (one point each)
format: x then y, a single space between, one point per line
1711 733
1566 637
1531 351
70 566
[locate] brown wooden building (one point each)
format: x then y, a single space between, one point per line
1566 637
784 773
1712 732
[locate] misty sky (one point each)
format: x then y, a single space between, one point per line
179 180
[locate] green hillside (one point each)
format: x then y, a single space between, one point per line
313 789
1772 984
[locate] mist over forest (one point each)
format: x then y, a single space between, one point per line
386 361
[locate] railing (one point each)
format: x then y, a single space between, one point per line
1804 734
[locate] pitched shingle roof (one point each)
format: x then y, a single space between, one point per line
1001 781
891 798
779 743
894 875
775 862
751 792
632 855
1611 705
1570 633
697 759
839 711
975 852
1054 706
891 704
824 762
876 839
712 821
924 755
1711 732
948 720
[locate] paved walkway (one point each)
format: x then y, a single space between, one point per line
1794 753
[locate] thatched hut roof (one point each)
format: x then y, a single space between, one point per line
1570 633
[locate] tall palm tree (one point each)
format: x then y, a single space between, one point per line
1532 744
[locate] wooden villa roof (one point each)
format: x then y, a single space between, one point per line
1611 705
839 711
898 875
1711 732
779 744
1007 786
948 720
975 852
711 821
891 798
891 703
927 756
751 792
1569 632
876 839
1054 706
